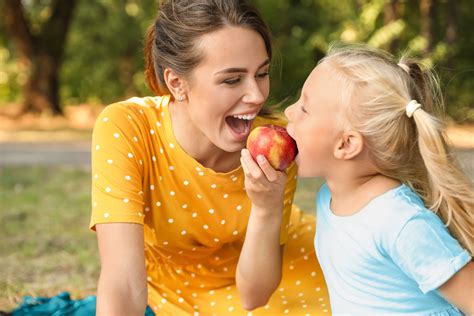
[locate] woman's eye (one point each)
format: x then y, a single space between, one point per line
263 74
303 109
231 81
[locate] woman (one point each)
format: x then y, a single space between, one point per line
181 225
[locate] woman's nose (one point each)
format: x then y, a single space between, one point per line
255 93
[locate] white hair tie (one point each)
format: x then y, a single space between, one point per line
412 106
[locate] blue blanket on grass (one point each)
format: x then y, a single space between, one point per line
60 305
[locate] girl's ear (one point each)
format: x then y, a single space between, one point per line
349 145
175 83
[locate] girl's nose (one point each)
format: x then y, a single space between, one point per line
288 112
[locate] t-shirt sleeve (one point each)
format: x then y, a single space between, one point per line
290 189
117 168
427 253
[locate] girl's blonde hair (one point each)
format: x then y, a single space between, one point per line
413 150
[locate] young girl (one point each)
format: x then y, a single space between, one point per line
368 126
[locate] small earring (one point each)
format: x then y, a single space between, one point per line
181 98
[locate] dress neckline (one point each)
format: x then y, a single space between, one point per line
167 124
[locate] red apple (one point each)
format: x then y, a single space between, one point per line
274 143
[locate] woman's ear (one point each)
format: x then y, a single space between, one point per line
349 145
176 84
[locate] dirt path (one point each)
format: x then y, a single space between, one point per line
45 153
78 154
66 141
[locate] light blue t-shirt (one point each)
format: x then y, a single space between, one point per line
388 258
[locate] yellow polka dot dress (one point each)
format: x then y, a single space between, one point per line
194 218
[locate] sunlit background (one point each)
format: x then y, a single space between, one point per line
61 61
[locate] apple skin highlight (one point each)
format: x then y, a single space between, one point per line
274 143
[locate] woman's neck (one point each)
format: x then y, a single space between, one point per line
197 145
350 194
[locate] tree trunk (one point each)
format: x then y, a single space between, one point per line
41 92
42 52
391 14
428 11
451 25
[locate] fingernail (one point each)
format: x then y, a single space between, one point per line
260 159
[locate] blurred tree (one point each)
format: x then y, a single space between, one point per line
103 58
428 15
105 51
41 51
392 14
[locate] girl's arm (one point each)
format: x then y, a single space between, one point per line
259 268
122 288
459 290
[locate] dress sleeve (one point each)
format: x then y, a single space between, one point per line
117 168
290 189
427 253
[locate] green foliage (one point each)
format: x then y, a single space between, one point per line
103 62
104 56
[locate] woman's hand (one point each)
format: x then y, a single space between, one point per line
265 186
259 268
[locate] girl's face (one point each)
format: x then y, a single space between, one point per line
313 122
229 87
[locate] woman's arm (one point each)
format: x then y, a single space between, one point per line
259 268
459 290
122 288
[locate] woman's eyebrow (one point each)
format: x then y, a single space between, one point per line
236 69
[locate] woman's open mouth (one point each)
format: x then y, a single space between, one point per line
240 125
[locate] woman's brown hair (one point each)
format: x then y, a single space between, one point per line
171 39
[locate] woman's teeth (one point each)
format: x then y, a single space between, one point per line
245 117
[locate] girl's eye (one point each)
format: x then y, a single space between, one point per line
303 109
232 81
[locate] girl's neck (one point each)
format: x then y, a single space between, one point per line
197 145
350 195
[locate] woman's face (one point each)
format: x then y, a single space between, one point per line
313 122
229 87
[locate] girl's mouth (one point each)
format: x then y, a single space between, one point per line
240 125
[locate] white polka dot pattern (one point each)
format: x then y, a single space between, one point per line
194 219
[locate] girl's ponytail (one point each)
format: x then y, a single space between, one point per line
448 192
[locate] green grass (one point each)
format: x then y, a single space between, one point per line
305 196
46 246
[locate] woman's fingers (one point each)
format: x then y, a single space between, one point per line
252 170
267 169
259 169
